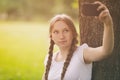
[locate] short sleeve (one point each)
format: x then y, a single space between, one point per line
80 51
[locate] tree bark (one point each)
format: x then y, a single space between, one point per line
91 32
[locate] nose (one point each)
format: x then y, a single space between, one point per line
61 35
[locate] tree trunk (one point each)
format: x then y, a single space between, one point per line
91 32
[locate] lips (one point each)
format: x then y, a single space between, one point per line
63 41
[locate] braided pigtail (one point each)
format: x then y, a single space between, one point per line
68 59
49 59
70 24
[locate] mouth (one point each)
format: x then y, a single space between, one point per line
62 41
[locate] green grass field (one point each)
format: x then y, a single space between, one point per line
23 46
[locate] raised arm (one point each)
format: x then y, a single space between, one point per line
96 54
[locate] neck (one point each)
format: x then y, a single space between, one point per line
64 51
62 54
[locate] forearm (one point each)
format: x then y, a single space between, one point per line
108 37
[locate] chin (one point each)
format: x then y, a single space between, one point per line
64 46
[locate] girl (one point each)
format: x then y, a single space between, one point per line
74 62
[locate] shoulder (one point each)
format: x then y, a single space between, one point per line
83 46
79 53
46 57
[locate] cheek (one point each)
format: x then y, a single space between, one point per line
71 39
71 36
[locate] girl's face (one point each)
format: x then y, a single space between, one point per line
61 34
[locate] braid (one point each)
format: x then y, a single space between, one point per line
68 59
49 59
70 24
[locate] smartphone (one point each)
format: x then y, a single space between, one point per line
90 9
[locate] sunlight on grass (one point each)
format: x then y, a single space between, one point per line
23 46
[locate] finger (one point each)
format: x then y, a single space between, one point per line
103 14
82 15
101 7
97 2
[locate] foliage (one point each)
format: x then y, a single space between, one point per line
37 8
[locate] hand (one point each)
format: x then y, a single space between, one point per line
104 16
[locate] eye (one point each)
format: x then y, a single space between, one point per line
55 32
66 30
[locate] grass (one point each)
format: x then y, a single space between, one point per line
23 46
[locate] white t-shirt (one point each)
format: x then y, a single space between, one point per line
77 69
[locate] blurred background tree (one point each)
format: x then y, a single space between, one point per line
36 9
